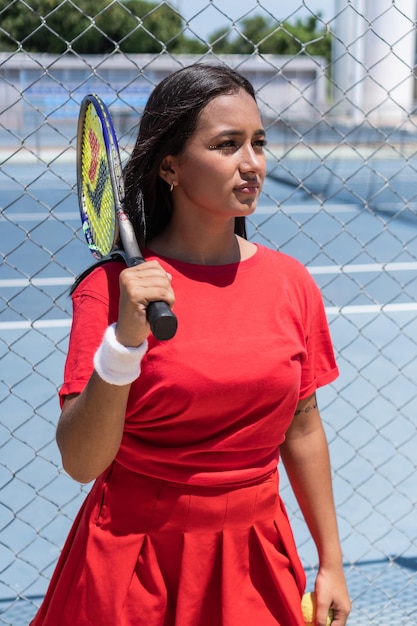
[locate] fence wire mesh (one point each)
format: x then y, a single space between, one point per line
337 93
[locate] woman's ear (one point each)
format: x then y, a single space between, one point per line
168 170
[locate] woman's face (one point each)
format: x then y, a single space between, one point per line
222 167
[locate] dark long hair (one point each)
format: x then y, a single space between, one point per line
169 119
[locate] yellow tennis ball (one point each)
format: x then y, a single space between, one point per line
308 607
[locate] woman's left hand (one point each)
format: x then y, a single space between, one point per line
331 592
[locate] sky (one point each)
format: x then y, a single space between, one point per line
204 18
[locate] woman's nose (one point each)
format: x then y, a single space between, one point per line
253 160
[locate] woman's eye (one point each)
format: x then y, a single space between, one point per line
225 145
230 145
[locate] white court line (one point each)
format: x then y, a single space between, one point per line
314 269
372 308
321 269
363 267
37 216
308 208
27 324
359 309
37 282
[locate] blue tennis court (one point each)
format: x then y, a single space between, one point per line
365 261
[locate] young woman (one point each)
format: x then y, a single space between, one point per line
184 525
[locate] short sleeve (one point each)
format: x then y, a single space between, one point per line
320 366
95 305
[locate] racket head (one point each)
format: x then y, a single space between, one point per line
96 178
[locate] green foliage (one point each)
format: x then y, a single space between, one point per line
268 36
138 26
89 26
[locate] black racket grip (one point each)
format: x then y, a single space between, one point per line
161 319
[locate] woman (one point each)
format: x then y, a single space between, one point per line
184 525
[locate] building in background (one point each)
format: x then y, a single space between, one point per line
42 93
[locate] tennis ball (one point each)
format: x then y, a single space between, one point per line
308 607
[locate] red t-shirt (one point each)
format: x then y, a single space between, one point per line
212 405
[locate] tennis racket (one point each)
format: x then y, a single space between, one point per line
101 197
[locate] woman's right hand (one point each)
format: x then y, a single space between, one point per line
140 285
91 423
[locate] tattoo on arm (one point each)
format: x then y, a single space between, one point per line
308 407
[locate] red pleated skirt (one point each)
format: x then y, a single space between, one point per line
151 553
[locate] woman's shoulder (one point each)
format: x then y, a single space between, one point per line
290 275
283 261
100 278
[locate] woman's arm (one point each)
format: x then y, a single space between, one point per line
90 428
91 423
305 455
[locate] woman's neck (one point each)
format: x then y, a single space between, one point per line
210 248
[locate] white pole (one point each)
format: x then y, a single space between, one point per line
373 58
348 66
389 58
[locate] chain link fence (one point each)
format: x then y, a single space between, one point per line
337 93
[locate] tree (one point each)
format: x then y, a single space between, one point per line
90 26
268 36
139 26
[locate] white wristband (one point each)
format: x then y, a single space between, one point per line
115 363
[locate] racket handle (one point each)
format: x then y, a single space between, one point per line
161 319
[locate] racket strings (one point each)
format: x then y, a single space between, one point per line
97 194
